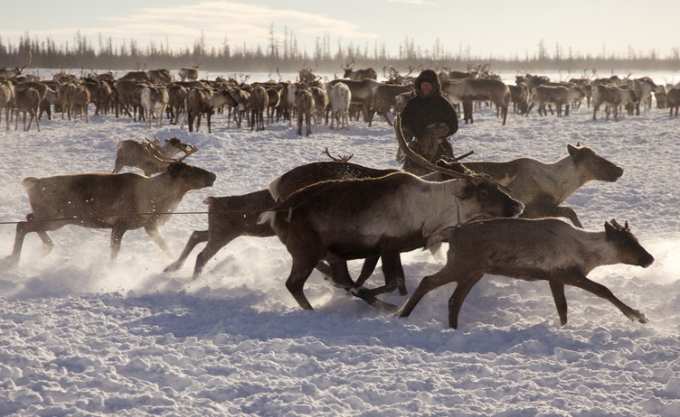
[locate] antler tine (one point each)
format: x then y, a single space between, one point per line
420 160
616 224
626 227
339 158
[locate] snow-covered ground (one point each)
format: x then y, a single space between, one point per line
79 336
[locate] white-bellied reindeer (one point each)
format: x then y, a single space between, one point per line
7 95
154 97
340 98
539 249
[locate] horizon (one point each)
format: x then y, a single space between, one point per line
633 30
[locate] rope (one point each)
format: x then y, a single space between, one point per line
150 213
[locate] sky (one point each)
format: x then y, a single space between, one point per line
489 27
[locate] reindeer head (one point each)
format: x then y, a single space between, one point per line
193 178
592 165
483 198
628 249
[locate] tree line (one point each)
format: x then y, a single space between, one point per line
284 54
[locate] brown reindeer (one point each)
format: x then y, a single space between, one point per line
257 104
274 102
673 100
304 106
355 219
201 101
119 202
27 100
360 74
150 156
321 103
541 249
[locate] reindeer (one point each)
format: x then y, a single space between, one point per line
661 98
470 89
304 106
201 101
234 216
673 100
337 220
541 249
152 97
119 202
385 99
189 73
27 100
159 76
7 95
136 76
544 187
560 95
340 98
128 95
360 74
177 95
257 104
274 102
614 97
321 103
150 156
363 93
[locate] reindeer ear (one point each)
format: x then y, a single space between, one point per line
609 229
573 150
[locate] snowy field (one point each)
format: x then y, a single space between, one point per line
82 337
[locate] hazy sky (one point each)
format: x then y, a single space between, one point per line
502 28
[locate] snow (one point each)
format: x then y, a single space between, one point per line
81 337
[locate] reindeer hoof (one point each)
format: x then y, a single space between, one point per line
641 317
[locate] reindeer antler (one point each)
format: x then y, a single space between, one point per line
339 158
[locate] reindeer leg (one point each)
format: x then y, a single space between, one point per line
23 228
215 243
48 245
557 289
300 271
456 300
196 237
579 280
117 233
154 234
367 270
427 284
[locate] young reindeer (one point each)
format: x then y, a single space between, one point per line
539 249
543 187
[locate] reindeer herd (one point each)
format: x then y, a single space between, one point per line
330 212
154 95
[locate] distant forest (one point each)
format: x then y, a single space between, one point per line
284 54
